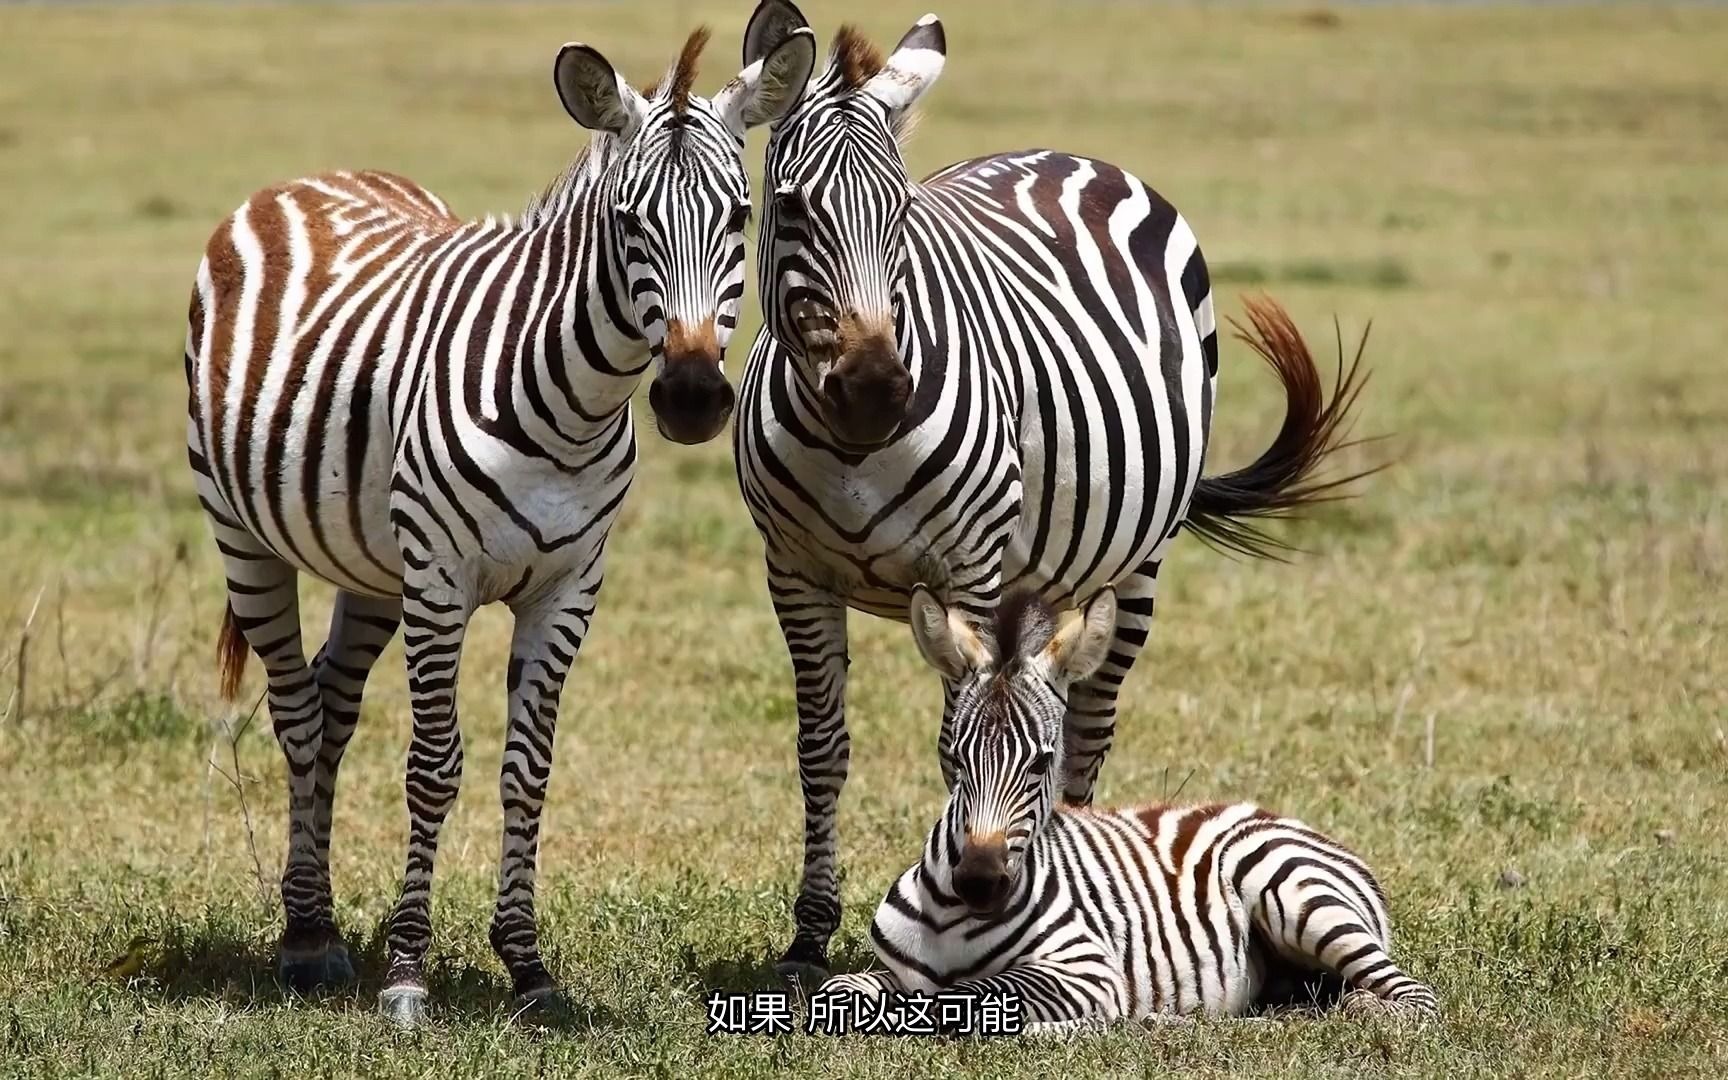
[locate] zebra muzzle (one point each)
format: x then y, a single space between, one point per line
866 391
981 877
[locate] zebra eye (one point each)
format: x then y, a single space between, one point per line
628 219
1041 764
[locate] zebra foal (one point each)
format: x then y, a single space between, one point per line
1093 916
433 414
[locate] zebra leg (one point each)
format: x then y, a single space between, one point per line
813 623
360 627
1091 723
1325 914
1058 996
543 647
435 618
263 594
870 984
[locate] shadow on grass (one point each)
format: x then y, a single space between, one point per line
220 962
758 972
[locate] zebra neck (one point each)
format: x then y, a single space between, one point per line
582 356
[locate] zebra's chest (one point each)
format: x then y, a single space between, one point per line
901 517
509 526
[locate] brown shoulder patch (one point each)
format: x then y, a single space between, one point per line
857 57
677 82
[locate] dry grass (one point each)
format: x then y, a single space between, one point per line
1508 654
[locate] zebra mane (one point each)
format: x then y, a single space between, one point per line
1025 623
854 60
675 84
561 193
855 56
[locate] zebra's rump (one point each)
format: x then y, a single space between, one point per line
294 345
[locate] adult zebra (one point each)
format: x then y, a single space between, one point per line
1001 374
433 414
1092 917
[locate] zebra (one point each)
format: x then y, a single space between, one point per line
433 414
1002 374
1092 916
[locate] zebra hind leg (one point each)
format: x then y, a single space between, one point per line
360 628
1318 907
264 606
1091 722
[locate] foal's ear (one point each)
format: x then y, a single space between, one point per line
593 93
1080 647
764 90
946 640
913 66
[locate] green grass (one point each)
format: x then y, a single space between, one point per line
1527 203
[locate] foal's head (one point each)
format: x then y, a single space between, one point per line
1010 703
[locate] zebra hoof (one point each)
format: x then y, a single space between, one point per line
305 971
804 976
1364 1003
540 1006
404 1006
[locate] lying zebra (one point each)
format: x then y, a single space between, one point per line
1091 916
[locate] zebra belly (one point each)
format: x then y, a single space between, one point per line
306 493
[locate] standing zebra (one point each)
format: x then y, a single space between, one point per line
1002 374
433 414
1096 916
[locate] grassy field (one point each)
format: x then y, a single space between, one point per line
1506 656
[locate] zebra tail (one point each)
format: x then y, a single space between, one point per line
231 654
1229 511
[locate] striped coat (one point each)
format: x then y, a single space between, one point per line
1092 916
1002 374
432 414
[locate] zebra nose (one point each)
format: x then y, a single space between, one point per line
866 396
691 400
981 878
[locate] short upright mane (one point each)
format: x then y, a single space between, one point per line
1024 624
676 83
858 59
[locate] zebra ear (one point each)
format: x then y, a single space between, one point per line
1080 647
771 23
912 67
592 92
945 638
762 92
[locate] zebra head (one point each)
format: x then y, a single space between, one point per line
1010 704
675 201
832 246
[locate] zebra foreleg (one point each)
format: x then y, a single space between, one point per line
1057 996
542 649
1091 722
360 628
813 623
435 619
